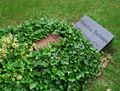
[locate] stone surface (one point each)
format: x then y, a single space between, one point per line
42 43
97 35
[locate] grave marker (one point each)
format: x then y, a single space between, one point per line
94 32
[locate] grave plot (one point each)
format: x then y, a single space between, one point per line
64 63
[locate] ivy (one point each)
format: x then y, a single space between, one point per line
65 66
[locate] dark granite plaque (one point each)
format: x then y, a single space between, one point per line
97 35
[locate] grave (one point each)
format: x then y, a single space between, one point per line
95 33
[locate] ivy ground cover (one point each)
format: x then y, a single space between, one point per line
63 66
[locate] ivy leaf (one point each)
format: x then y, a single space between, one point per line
33 85
54 69
72 79
78 76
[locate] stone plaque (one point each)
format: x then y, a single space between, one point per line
97 35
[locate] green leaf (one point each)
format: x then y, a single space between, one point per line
33 85
78 76
72 79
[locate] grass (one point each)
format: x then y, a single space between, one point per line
105 12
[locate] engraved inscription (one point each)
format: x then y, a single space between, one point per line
94 32
85 24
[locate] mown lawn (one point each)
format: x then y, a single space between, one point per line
105 12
